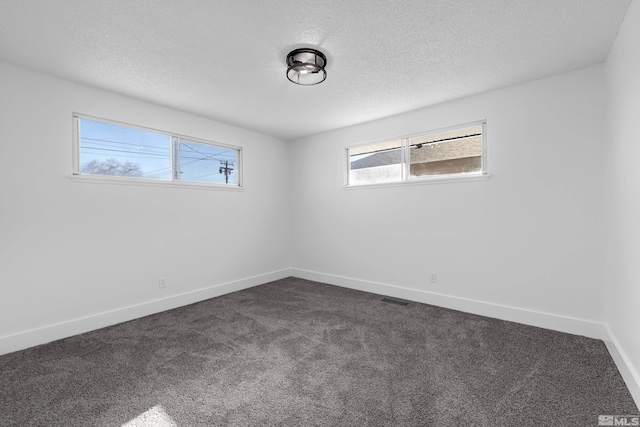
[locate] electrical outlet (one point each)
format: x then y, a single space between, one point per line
162 283
433 277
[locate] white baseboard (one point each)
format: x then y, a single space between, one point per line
540 319
30 338
628 372
45 334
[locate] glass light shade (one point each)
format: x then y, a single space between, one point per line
306 67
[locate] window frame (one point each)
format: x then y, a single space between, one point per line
174 149
406 178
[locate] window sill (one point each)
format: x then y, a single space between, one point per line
97 179
422 181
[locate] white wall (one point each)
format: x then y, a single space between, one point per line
529 238
622 202
76 256
70 250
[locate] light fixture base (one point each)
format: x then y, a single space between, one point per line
306 67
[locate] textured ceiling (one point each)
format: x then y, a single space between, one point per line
225 59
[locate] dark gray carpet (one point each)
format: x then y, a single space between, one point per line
295 352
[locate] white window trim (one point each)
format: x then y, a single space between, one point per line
434 179
146 182
446 179
77 176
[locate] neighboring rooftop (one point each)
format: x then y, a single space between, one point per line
434 152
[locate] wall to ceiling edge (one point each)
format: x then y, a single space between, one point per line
77 256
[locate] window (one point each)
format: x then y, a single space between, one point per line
454 152
376 163
109 148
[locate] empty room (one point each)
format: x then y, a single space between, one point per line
295 213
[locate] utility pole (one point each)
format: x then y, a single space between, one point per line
226 167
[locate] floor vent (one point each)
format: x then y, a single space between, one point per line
395 301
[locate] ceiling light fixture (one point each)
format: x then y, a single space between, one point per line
306 67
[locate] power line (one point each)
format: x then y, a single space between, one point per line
103 148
